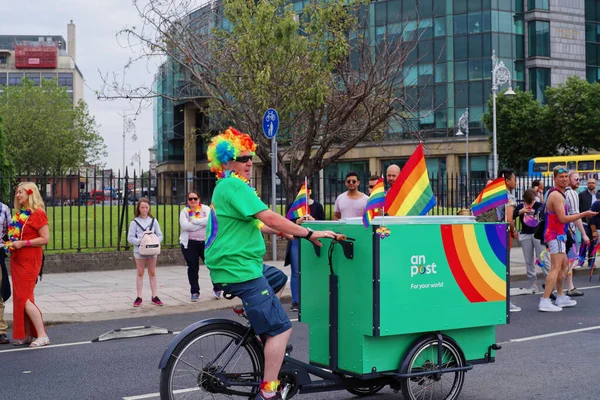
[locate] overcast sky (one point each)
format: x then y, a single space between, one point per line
97 22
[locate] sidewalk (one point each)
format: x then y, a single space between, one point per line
103 295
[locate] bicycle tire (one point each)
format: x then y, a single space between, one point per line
424 358
199 379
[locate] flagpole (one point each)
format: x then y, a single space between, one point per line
306 189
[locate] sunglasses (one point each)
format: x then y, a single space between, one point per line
351 181
192 198
577 180
371 186
561 171
243 159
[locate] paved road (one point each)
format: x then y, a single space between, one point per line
529 366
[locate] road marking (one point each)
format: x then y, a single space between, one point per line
152 395
51 346
142 396
547 335
589 287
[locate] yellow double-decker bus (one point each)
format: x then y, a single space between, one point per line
586 164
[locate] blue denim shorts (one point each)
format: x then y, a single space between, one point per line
262 306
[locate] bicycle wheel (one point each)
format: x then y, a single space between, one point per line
365 390
436 386
191 372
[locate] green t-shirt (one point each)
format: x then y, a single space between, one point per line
236 253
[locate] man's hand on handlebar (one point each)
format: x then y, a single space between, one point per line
322 235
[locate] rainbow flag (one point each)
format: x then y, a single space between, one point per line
212 228
493 195
299 207
375 204
411 194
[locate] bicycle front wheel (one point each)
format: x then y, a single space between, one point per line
210 363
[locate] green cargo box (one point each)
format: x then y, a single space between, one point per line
431 274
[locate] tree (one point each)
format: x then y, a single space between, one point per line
4 167
44 132
333 83
574 114
521 130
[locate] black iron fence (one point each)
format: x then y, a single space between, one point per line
92 212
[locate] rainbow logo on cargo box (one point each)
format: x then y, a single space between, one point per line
471 253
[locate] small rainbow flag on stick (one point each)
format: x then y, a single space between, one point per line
493 195
411 194
299 207
376 203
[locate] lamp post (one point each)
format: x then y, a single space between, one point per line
500 76
128 127
463 122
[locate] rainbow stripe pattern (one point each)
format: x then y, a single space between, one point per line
376 202
212 227
411 194
472 254
493 195
299 207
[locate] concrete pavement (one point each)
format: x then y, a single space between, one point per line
104 295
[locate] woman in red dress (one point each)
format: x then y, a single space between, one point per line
28 233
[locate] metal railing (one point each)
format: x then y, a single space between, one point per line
93 212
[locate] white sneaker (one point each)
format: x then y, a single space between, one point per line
514 308
564 301
547 306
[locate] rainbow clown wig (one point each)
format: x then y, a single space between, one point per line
226 147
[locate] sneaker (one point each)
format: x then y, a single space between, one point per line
294 306
195 297
552 295
574 292
260 396
4 338
565 301
217 294
533 287
137 302
514 308
547 306
157 301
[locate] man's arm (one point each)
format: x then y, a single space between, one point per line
281 224
557 204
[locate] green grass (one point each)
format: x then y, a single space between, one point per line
96 228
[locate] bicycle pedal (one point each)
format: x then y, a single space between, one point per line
288 349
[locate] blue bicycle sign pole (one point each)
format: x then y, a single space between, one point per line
270 125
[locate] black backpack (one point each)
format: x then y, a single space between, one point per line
539 232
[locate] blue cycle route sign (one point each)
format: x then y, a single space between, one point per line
270 123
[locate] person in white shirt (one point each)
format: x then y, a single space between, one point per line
193 220
572 202
352 203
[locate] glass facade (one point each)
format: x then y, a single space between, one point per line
450 67
592 40
539 80
538 5
539 38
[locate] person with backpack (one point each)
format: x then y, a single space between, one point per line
145 236
528 213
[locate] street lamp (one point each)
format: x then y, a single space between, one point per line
463 122
128 127
500 75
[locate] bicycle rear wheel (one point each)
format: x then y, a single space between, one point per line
192 371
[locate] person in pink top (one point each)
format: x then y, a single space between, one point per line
555 236
192 220
352 203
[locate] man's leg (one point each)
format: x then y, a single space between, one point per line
3 325
528 251
557 258
274 353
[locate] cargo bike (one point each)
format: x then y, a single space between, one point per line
412 305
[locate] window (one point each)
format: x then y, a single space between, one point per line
538 4
3 79
585 165
3 59
540 167
539 38
556 164
539 80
